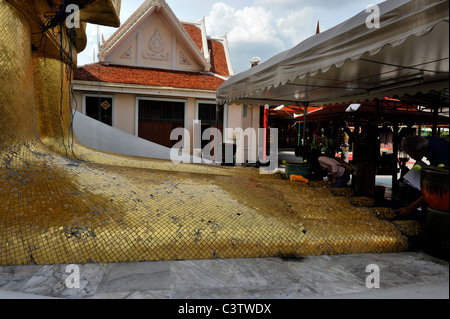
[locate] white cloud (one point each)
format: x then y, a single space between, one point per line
297 25
251 31
220 18
299 4
254 24
279 4
243 26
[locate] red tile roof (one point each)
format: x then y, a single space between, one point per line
403 112
219 64
158 77
195 33
147 76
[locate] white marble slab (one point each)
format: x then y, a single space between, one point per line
273 278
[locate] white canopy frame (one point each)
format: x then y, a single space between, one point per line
351 62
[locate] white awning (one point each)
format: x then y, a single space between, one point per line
408 54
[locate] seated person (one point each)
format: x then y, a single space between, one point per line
339 175
435 150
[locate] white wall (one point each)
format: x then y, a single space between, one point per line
243 131
105 138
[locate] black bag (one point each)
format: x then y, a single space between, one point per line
348 168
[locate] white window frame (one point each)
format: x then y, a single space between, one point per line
144 98
109 96
225 114
197 106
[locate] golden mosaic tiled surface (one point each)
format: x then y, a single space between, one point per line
61 202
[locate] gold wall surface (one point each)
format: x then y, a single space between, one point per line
61 202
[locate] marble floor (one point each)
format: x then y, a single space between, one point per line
401 275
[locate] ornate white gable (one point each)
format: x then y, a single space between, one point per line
154 37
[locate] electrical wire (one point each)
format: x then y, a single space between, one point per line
55 24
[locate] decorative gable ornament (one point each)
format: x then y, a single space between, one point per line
157 47
183 59
157 44
128 55
105 105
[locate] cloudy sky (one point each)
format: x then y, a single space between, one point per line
260 28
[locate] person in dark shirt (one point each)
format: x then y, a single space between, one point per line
435 150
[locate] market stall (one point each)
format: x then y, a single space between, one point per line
406 58
395 119
407 54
